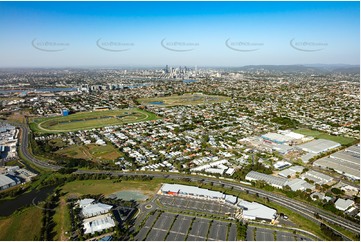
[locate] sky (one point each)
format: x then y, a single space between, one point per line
121 34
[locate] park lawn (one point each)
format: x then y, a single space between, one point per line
107 187
62 221
18 117
24 225
89 120
321 135
91 152
88 124
106 152
185 99
57 143
307 132
75 151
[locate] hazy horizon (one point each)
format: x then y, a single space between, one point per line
162 66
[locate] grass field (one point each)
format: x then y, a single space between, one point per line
107 187
186 99
24 225
321 135
91 152
62 221
89 120
18 117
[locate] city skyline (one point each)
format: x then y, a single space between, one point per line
94 34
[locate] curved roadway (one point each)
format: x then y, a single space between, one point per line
302 208
24 142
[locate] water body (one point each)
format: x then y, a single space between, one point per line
129 195
8 207
56 89
157 103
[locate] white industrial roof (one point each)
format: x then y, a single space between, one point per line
318 176
254 175
276 137
298 184
183 189
282 148
350 169
347 156
287 172
306 157
85 202
281 164
215 170
353 149
256 210
98 223
319 145
4 180
296 168
95 209
231 199
295 135
291 171
230 171
342 204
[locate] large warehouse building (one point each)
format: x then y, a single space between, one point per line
346 162
276 138
91 208
253 211
277 182
98 224
317 177
6 182
283 137
319 145
299 185
183 190
97 216
191 191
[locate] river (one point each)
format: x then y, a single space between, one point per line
55 89
8 207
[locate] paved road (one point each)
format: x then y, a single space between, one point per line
24 150
297 206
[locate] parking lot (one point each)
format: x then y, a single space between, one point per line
166 226
263 234
171 227
197 205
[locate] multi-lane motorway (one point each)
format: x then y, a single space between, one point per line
304 209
